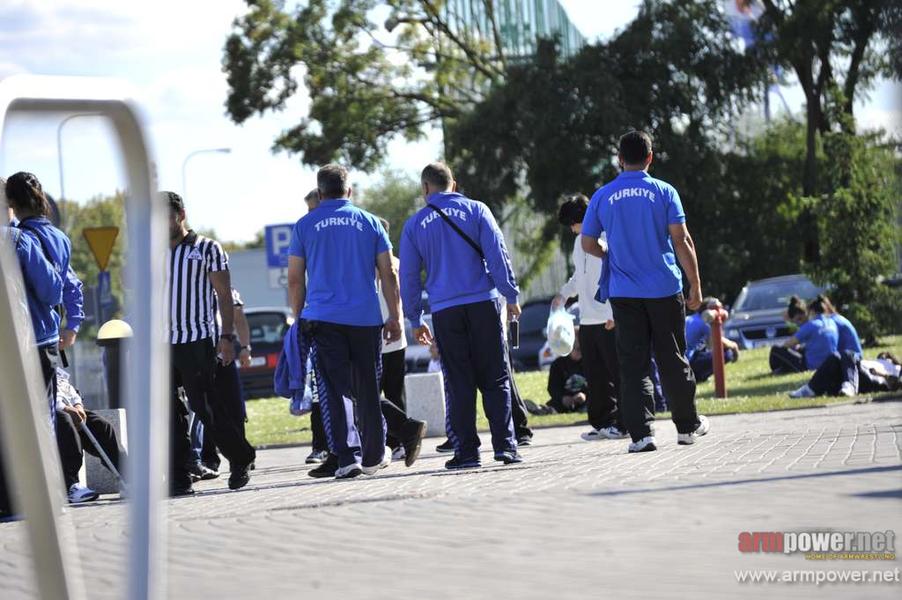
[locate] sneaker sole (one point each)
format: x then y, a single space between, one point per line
464 466
320 474
413 454
374 470
508 460
237 485
441 450
350 474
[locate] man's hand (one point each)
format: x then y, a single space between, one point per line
244 358
423 335
67 338
609 324
513 310
77 412
694 301
227 350
392 331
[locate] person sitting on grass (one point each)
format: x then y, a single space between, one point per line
699 343
848 335
846 374
567 383
816 339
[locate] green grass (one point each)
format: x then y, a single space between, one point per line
750 388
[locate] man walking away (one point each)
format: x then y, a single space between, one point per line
198 273
462 249
338 246
646 235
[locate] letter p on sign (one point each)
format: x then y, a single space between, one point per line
278 238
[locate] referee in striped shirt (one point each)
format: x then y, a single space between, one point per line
198 272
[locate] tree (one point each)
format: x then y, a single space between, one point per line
368 82
551 127
395 198
837 49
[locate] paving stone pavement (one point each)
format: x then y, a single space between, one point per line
576 519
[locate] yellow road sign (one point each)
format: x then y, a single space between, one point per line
101 240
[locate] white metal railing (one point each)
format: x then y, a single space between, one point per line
33 474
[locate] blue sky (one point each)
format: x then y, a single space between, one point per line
171 52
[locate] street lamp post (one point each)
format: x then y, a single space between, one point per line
195 153
59 146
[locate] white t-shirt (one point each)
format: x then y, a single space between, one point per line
584 283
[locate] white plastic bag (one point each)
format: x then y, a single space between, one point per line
561 332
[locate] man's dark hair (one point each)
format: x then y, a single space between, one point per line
174 201
332 181
24 193
635 147
437 174
573 210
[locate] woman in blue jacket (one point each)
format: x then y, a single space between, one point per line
27 199
816 339
43 287
848 335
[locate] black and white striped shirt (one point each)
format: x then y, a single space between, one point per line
192 301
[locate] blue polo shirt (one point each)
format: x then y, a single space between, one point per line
821 339
848 335
340 243
635 210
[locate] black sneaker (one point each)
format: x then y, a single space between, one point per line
239 477
181 490
211 472
463 463
327 469
198 471
508 458
524 440
447 446
413 441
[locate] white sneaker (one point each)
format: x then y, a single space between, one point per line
399 453
79 493
687 439
802 392
848 390
646 444
351 470
605 433
386 460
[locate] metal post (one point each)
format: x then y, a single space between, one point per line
720 380
195 153
146 385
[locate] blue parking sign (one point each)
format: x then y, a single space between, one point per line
278 238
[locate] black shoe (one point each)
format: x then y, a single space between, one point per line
447 446
198 471
327 469
524 440
317 457
508 458
413 442
238 477
463 463
210 472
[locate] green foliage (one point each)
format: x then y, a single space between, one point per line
395 198
858 231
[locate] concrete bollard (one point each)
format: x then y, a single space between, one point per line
425 396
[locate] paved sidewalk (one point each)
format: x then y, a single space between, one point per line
575 520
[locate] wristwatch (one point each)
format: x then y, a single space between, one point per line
248 348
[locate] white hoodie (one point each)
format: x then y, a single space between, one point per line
584 283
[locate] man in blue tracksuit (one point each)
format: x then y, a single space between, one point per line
462 251
339 247
43 291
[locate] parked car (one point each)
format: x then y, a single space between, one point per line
268 326
757 319
416 356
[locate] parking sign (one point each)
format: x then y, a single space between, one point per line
277 237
